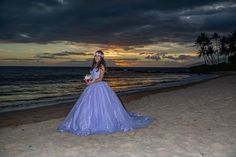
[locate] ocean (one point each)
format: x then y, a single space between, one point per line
24 87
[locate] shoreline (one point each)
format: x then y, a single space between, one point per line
195 121
26 116
70 98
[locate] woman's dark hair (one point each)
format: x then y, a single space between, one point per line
101 62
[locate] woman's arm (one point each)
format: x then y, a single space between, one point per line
101 74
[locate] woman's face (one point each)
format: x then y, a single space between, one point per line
97 58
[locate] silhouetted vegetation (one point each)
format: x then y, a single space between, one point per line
218 52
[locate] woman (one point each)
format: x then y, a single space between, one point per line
98 109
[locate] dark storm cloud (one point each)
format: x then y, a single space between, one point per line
153 57
127 59
146 53
18 59
158 57
130 22
124 59
62 54
181 57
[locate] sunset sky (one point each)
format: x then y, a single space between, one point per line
147 33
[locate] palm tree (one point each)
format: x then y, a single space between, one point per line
199 43
210 52
232 43
204 43
201 53
223 47
216 38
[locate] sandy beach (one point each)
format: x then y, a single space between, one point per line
192 121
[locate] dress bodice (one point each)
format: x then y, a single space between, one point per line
95 73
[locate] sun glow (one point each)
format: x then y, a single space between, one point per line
82 53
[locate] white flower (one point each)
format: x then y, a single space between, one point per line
87 77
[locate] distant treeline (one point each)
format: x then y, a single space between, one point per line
216 49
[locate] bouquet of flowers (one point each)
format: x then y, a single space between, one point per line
87 78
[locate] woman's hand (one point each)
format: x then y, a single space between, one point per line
91 81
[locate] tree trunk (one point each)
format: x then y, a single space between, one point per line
204 57
209 59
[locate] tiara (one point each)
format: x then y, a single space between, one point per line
98 54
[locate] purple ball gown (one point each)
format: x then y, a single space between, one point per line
99 111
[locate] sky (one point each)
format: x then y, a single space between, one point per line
131 33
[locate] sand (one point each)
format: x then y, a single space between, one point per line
195 121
